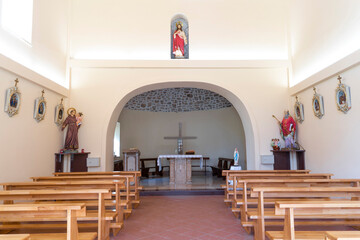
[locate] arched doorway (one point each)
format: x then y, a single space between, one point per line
252 141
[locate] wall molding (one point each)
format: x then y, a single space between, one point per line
334 69
32 76
178 63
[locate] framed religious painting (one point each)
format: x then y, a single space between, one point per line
343 97
299 111
318 105
59 113
179 38
40 107
12 100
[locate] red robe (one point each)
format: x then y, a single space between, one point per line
288 125
178 43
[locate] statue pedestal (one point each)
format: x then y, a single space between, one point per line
71 162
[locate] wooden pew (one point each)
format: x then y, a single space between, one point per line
229 191
342 235
228 177
295 193
242 186
100 216
14 236
314 211
47 212
135 180
132 194
113 185
223 164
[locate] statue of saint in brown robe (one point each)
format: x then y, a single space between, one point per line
71 140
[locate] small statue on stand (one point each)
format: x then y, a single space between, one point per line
73 121
287 130
275 143
236 157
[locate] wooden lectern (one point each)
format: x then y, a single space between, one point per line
131 160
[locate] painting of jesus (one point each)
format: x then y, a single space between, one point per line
179 39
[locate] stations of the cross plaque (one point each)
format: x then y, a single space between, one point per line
180 139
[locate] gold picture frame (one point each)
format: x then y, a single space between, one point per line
343 96
318 104
40 108
12 100
59 113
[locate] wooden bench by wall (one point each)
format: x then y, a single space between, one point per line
295 193
100 216
315 211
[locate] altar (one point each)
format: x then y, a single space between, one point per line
180 168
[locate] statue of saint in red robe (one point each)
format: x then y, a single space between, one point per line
287 130
179 41
71 140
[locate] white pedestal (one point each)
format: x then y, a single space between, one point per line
67 162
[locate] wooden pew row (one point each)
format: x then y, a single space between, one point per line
46 212
229 191
296 193
101 217
113 185
14 236
228 177
243 202
316 211
136 175
134 196
342 235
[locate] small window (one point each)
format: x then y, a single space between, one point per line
17 18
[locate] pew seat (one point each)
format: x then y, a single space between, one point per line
342 235
300 235
14 236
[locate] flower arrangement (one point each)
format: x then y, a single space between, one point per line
275 143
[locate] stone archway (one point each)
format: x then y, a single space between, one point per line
251 136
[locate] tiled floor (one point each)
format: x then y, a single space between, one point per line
182 217
199 181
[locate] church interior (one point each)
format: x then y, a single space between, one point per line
171 119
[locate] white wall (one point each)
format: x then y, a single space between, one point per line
101 93
47 55
218 133
332 143
27 147
321 33
140 29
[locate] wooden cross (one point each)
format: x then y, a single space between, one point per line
180 139
16 82
42 93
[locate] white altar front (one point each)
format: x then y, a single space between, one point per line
180 167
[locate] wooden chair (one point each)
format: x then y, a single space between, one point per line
101 217
323 211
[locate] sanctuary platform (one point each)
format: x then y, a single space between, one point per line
200 181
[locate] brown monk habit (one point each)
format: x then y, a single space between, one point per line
71 140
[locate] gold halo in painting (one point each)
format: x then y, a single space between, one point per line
70 109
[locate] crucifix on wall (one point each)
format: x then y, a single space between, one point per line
180 139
